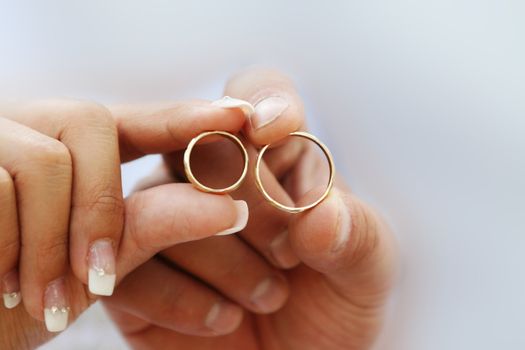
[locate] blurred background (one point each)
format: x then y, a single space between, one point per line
421 102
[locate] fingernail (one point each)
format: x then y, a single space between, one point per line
241 221
344 222
268 110
270 294
224 317
56 310
230 102
11 290
101 261
282 252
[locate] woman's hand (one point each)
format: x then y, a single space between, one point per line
64 237
340 255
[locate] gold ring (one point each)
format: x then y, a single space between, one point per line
286 208
199 185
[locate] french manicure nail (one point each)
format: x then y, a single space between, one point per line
230 102
56 310
282 252
241 221
344 222
101 262
223 317
268 110
269 294
11 290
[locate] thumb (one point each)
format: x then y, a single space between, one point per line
346 241
278 109
163 216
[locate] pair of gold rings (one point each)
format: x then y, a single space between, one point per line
258 181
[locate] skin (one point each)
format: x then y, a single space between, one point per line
339 275
319 296
61 189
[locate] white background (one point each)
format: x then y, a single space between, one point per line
422 102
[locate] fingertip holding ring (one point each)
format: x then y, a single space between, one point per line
200 186
289 209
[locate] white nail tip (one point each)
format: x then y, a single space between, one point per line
56 319
230 102
11 300
101 283
242 219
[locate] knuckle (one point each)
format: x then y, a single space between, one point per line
89 114
53 152
98 115
108 201
54 248
49 159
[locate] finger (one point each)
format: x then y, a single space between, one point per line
268 232
42 172
154 337
282 159
267 229
234 269
88 130
309 171
181 303
167 128
278 108
346 241
167 215
97 206
9 241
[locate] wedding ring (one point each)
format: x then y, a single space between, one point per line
197 183
281 206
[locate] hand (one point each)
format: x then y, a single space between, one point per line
62 212
345 253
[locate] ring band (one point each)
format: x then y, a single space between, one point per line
193 179
281 206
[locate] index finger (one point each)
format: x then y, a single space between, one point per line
165 128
